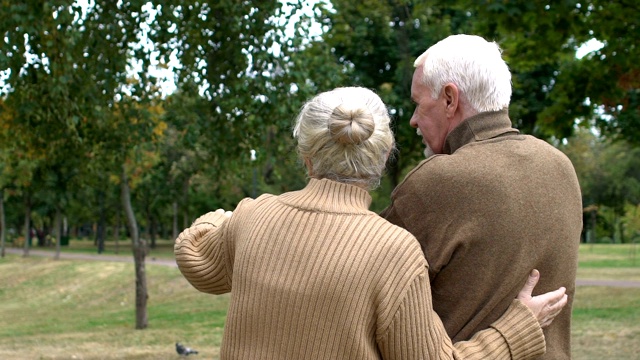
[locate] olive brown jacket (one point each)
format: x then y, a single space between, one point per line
494 206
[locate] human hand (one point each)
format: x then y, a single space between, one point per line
546 306
223 212
214 218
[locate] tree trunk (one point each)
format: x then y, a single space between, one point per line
3 225
162 230
151 228
116 231
594 215
185 204
139 253
153 231
175 231
58 231
27 224
65 227
102 223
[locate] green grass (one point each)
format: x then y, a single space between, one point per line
606 323
607 261
609 255
606 320
85 309
60 309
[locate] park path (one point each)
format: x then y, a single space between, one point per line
171 262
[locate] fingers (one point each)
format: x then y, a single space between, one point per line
553 306
558 306
529 285
545 306
548 319
553 297
225 213
534 276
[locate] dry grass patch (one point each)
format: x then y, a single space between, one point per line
606 323
71 309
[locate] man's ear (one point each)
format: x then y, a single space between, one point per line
452 97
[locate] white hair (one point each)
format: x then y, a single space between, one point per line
474 65
345 134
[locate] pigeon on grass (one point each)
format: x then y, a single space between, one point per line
183 350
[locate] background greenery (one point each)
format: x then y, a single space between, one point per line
84 113
94 146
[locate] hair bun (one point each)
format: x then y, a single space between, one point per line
351 126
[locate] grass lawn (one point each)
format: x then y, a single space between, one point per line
606 320
72 309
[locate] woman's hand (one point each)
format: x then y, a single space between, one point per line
213 218
229 213
545 306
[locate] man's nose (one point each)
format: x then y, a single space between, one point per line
413 122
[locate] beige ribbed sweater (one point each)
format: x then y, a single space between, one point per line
314 274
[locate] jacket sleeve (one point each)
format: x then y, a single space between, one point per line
417 332
202 255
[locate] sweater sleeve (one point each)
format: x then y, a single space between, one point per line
417 332
200 252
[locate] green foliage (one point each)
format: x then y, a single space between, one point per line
540 40
610 183
77 108
608 171
377 41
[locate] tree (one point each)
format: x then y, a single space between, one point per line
45 96
228 108
67 69
552 89
3 225
610 76
609 179
184 149
378 42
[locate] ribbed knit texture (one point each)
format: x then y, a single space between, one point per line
314 274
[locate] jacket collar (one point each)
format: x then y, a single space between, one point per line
482 126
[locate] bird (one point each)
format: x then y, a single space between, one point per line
183 350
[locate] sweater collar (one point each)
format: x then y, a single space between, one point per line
482 126
329 196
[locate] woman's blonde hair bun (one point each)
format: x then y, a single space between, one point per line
351 125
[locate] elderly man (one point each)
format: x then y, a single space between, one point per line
488 203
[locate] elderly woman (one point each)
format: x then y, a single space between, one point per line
313 274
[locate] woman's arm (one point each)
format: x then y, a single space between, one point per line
201 253
418 333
